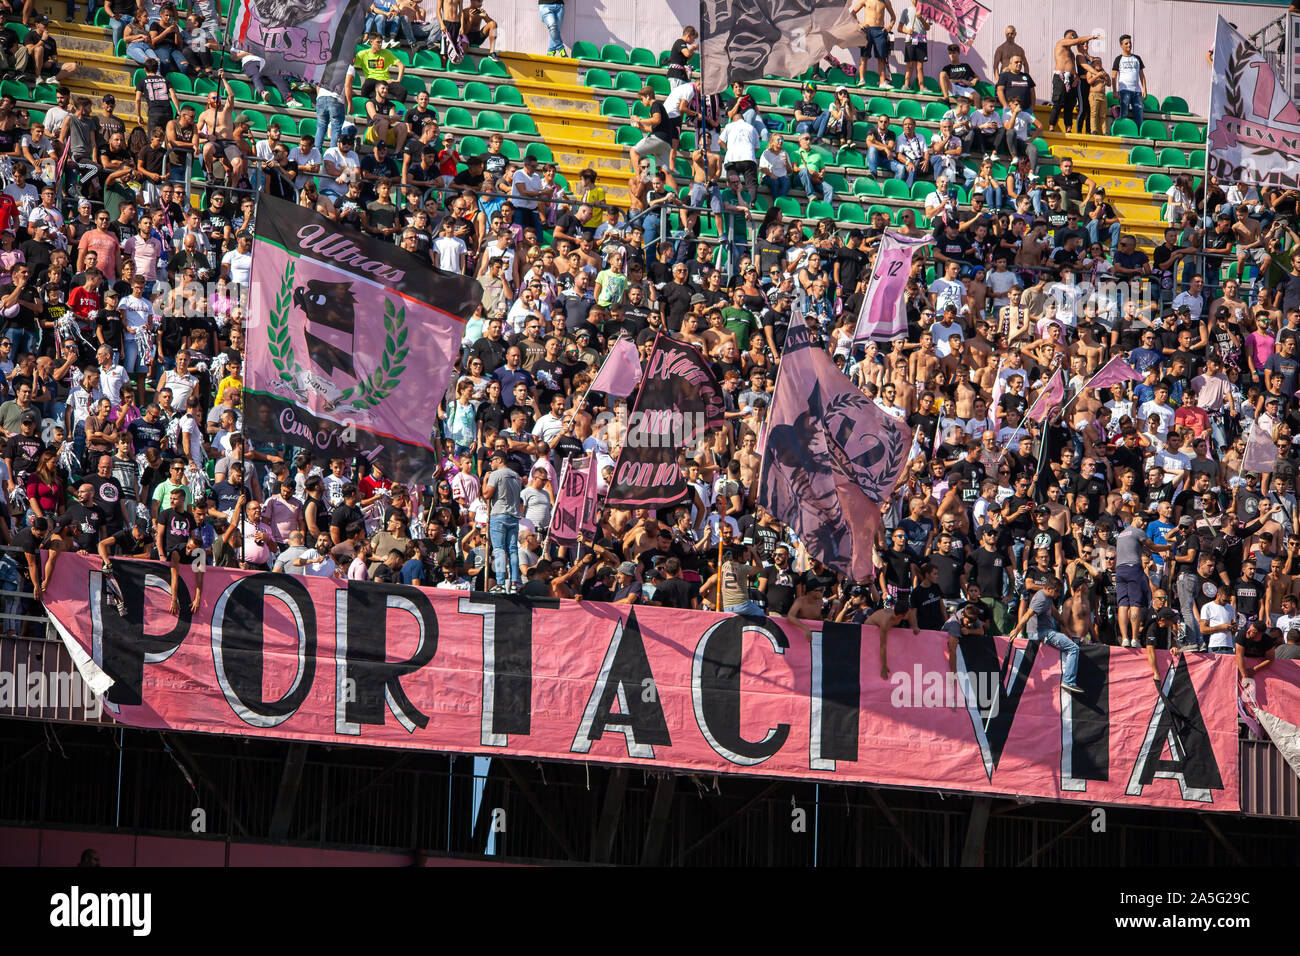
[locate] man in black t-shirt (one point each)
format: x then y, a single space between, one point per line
87 517
956 78
679 56
345 514
107 494
778 582
673 591
927 601
176 538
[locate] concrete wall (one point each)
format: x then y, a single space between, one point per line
1171 36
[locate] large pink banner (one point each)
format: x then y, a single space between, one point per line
338 662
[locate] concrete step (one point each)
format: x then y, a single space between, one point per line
101 45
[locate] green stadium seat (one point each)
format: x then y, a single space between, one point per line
1154 129
896 80
1188 133
860 131
819 210
871 80
629 81
510 150
179 82
413 85
897 189
1196 159
256 120
459 117
358 106
659 84
302 99
1124 127
476 91
1158 183
921 190
427 60
490 67
473 146
760 94
1173 157
614 106
910 108
628 136
137 76
640 56
788 98
788 205
1144 156
507 96
204 86
613 53
837 182
872 210
760 204
934 111
838 77
45 93
1150 104
444 89
18 90
985 88
402 55
521 123
866 186
859 102
879 105
119 49
101 17
639 109
1174 104
686 140
243 92
274 97
489 120
682 169
931 85
540 152
307 127
824 98
582 50
850 159
465 65
288 125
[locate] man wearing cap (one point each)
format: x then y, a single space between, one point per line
501 490
627 589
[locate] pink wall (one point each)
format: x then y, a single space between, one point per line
29 846
1171 36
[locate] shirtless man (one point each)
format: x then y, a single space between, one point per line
1003 54
876 35
924 363
477 26
450 13
1094 85
717 335
1065 79
1237 308
979 351
1250 243
217 128
807 607
1077 609
885 620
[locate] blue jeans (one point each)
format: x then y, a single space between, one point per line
22 340
170 58
381 24
993 197
528 217
822 190
779 185
329 116
1094 232
875 159
552 15
1130 105
141 52
1069 653
747 607
804 126
503 531
119 27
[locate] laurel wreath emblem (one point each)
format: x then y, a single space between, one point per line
370 391
1236 106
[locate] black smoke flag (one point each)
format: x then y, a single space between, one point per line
678 401
745 39
347 352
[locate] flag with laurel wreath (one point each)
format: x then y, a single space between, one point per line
350 342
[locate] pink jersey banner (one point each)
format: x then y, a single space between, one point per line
351 342
884 312
575 505
1253 131
353 662
621 371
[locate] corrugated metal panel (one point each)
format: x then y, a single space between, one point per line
1269 787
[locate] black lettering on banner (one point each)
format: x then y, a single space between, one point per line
1176 721
622 675
715 690
366 679
119 644
239 643
1085 722
977 663
836 695
507 706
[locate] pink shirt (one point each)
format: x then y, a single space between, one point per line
1262 344
104 244
283 516
253 552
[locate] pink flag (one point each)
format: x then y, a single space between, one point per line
1113 372
575 504
884 315
621 371
830 458
1048 398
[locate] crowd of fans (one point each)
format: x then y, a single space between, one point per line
1128 517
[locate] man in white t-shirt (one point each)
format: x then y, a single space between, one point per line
1128 73
940 331
309 160
1218 620
1193 298
947 289
1177 465
237 264
341 167
23 193
525 189
180 381
450 249
741 158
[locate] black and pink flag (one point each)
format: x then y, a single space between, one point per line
679 401
314 40
351 342
575 505
831 458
